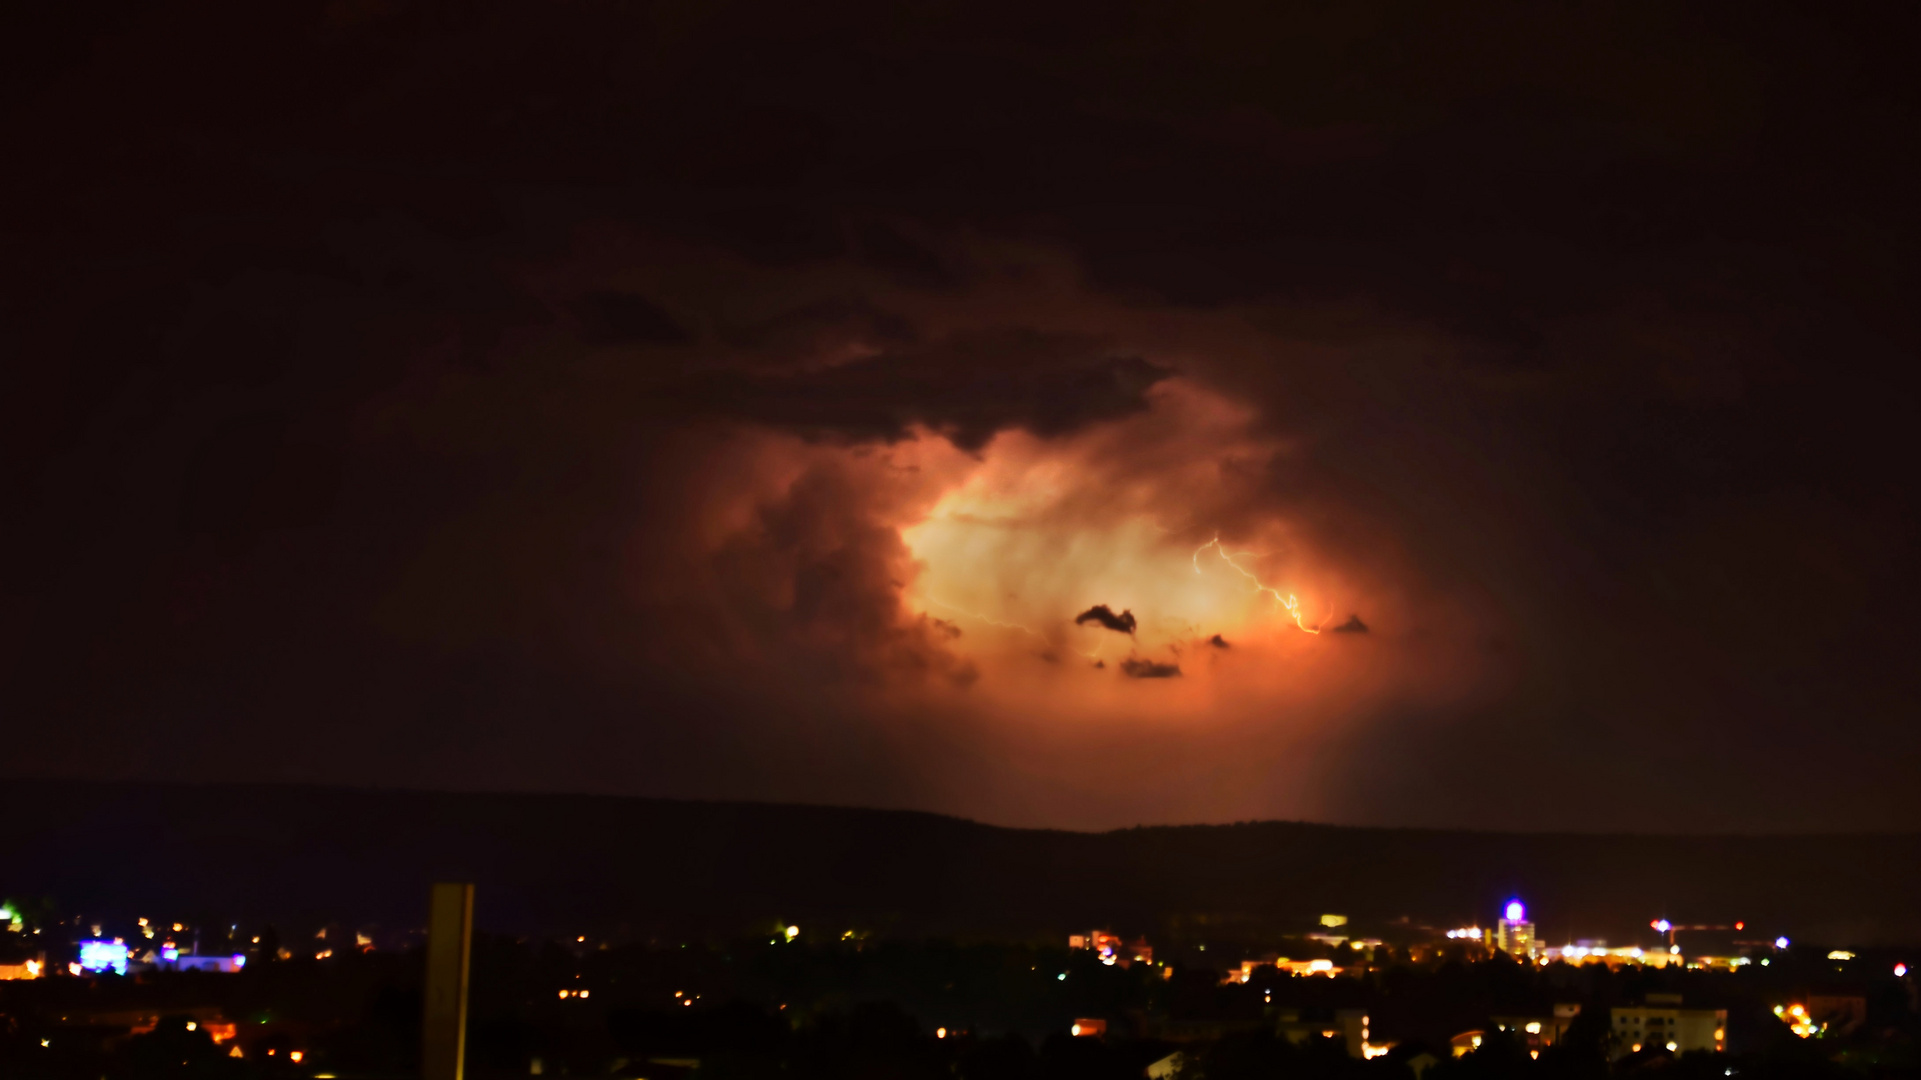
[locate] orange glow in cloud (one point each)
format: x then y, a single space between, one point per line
1041 530
933 592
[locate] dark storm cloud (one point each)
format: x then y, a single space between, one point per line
617 318
1101 614
1353 625
968 388
804 332
1135 668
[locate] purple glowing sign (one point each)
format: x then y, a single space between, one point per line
98 956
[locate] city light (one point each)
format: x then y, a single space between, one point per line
1781 942
1840 954
1798 1020
793 932
1662 925
1900 970
99 956
1515 911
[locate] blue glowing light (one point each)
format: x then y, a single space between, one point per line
103 956
169 954
1663 925
1515 912
239 961
1780 943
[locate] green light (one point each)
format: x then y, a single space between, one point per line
7 914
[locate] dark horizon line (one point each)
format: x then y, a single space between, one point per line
16 780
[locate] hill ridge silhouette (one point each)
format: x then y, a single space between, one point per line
674 868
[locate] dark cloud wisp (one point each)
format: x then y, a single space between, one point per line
1102 615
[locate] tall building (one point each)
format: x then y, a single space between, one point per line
1514 935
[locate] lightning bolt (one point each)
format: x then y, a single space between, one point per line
978 617
1289 603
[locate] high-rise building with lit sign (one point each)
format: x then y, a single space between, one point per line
1514 935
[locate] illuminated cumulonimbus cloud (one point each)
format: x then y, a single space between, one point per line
972 549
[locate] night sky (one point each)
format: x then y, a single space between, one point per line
1495 414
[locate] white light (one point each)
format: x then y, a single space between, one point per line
1674 949
1534 1027
1781 943
1840 954
940 1033
793 932
1900 970
1515 912
1062 976
1672 1047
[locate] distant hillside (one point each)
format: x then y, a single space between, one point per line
652 866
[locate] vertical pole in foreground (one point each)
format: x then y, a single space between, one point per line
450 926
